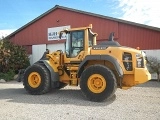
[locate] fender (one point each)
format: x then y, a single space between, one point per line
101 57
54 75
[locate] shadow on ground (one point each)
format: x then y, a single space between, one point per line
64 96
13 92
151 83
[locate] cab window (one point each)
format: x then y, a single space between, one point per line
77 42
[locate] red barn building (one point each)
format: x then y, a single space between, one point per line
34 35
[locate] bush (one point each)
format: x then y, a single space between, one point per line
12 58
7 76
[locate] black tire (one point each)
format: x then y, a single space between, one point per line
103 90
36 79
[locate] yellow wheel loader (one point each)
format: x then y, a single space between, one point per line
97 69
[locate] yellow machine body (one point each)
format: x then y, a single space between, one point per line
129 69
97 69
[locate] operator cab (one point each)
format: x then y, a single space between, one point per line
77 41
74 43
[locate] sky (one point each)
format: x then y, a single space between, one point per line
16 13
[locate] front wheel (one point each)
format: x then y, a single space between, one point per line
98 83
36 79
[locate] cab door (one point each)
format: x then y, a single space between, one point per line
74 47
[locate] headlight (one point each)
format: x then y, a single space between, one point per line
127 61
127 56
139 60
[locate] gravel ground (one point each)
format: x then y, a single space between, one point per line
138 103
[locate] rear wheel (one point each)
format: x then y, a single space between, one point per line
98 83
36 79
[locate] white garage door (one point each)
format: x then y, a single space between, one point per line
55 47
37 52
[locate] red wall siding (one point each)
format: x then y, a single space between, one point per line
36 33
127 35
134 36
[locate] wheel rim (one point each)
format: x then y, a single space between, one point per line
96 83
34 79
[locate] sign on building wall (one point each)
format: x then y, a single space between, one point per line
53 33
